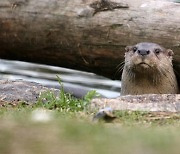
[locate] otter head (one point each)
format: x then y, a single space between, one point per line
147 57
148 69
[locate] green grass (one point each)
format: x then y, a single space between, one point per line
70 129
75 132
64 101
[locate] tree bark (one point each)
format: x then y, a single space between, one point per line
85 34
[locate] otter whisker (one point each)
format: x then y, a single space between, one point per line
122 63
120 67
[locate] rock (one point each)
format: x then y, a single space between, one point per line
17 91
105 114
148 102
13 92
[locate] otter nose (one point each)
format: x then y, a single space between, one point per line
143 52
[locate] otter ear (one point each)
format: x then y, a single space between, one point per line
170 52
128 48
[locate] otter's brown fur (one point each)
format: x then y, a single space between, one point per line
148 69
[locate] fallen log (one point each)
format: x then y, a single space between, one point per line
87 35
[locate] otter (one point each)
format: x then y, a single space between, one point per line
148 69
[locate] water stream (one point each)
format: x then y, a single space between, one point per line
47 76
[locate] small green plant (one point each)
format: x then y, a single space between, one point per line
64 101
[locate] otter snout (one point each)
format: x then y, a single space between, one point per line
143 52
148 70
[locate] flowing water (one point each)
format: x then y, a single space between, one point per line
47 76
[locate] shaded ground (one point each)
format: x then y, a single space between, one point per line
75 133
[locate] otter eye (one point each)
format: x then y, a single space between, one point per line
157 51
134 49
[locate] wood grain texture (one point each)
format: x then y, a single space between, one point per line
67 34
